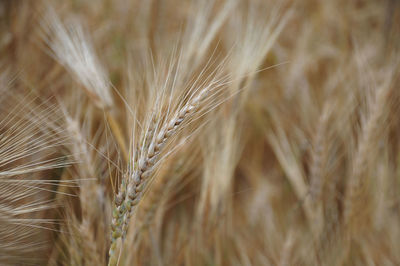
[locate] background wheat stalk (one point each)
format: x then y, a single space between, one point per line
212 132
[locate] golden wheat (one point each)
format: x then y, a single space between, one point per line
212 132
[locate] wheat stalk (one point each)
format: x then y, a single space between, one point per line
131 190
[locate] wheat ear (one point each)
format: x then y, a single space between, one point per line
127 199
71 47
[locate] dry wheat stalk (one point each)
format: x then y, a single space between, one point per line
301 169
131 190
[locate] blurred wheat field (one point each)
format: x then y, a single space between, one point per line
199 132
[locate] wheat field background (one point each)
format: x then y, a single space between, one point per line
203 132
